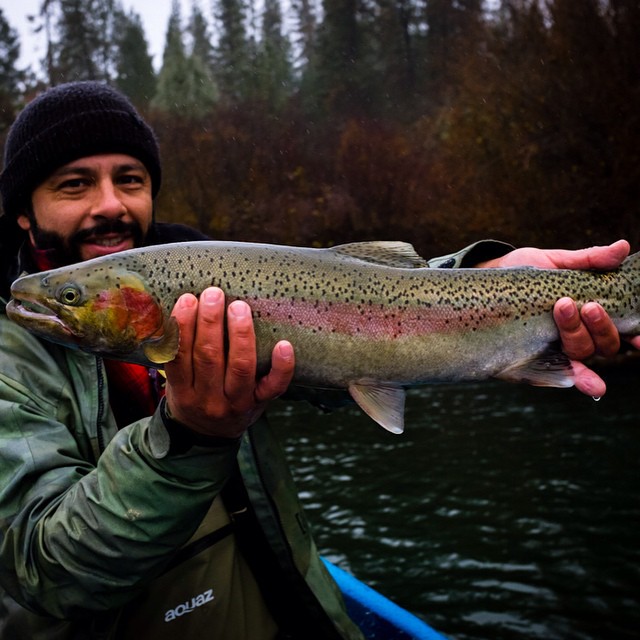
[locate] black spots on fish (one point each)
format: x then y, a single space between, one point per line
410 298
397 327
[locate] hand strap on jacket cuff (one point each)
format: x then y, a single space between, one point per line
182 438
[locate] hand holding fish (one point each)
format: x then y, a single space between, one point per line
586 331
209 391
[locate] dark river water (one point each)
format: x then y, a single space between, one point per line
502 512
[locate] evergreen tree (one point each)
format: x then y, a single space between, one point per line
393 64
10 75
106 18
134 69
234 53
184 84
80 39
202 92
333 77
273 63
306 27
74 53
171 88
203 89
201 46
448 23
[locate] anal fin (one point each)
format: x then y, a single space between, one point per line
383 403
549 369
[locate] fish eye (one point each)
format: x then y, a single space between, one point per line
70 295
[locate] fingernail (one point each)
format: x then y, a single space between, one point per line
239 309
285 350
187 300
211 296
566 308
592 312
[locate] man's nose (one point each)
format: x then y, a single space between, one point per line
108 202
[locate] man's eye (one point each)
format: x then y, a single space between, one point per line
73 183
130 179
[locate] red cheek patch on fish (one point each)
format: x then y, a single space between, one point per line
108 310
130 309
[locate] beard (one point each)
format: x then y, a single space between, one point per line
63 251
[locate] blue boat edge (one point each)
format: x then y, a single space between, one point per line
378 617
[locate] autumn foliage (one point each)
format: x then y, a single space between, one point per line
522 124
533 137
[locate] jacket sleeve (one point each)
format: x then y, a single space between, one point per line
76 535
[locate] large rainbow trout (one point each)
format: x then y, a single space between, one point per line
367 317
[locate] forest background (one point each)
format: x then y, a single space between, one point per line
437 122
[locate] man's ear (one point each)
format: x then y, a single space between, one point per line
24 222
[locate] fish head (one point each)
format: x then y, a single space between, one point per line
103 311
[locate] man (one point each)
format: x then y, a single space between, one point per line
125 515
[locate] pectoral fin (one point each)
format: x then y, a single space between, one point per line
550 369
382 403
164 348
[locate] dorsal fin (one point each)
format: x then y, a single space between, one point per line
386 252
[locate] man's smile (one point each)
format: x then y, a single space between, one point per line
97 245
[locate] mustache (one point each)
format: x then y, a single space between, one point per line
108 226
62 251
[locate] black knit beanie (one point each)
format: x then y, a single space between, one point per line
68 122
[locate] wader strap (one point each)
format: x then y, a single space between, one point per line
293 605
200 545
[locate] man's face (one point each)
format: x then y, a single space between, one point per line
91 207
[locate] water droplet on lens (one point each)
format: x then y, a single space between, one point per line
597 398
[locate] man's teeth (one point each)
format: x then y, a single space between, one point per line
108 242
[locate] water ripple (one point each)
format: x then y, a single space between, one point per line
503 512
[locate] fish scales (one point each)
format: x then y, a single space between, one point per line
368 317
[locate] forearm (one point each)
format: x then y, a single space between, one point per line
78 538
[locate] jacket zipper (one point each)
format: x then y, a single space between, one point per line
100 416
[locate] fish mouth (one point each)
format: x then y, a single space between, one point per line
28 307
33 315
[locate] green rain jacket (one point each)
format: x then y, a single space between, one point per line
108 533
